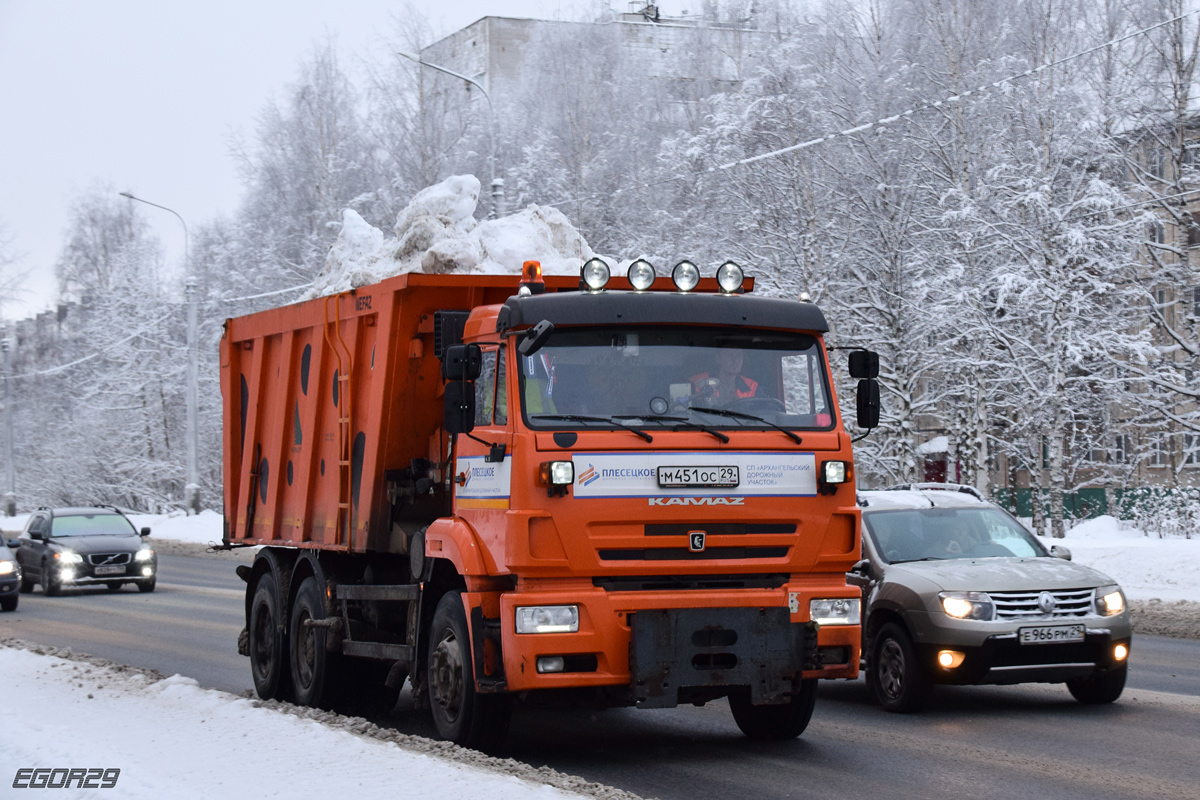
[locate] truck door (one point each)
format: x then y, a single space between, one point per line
483 474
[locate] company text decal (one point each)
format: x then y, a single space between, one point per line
636 475
484 481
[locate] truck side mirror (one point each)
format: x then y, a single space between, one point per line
535 338
868 403
459 406
462 362
864 364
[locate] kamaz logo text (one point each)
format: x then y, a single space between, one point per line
697 501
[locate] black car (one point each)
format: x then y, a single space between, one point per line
10 577
65 547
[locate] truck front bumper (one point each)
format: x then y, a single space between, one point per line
659 643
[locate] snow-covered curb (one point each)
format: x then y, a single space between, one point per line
184 741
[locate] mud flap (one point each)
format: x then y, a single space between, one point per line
758 648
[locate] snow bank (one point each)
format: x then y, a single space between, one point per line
1147 568
437 233
180 741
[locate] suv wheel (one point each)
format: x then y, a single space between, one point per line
900 683
1100 687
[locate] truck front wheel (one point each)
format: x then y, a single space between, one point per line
784 721
268 664
461 714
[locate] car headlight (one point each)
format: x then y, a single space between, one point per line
834 610
6 567
548 619
145 554
69 557
1110 601
968 605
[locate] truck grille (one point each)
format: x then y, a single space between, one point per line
683 554
101 559
1021 605
651 583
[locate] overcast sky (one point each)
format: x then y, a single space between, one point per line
145 95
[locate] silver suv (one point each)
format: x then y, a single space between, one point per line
956 591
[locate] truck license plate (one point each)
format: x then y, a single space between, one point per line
1051 634
111 570
703 477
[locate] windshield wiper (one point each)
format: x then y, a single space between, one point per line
683 422
585 418
724 412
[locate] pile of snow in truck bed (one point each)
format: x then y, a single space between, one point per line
437 233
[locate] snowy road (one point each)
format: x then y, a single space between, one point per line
1031 741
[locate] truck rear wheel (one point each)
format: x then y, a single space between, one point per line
313 667
461 714
268 658
784 721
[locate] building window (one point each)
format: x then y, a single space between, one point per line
1156 452
1191 449
1156 232
1120 453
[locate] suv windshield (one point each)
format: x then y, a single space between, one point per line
92 525
660 376
929 534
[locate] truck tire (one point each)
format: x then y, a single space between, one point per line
1100 687
314 669
784 721
897 678
461 714
268 657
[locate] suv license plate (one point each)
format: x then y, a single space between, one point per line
110 570
1051 634
701 477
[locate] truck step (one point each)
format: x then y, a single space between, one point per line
395 652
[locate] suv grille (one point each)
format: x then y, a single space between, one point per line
1021 605
100 559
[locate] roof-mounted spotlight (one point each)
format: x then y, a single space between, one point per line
685 276
730 277
595 274
641 275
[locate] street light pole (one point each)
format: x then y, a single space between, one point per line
10 498
497 182
191 492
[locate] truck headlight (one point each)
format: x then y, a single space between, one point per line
834 610
834 472
145 554
548 619
557 473
69 557
1109 601
968 605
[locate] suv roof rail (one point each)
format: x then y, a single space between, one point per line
943 487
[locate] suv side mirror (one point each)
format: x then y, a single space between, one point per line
868 403
860 574
13 542
38 535
1058 551
145 532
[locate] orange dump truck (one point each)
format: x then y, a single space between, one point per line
633 491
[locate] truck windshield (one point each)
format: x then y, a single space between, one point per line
655 377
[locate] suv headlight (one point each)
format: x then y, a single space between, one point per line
69 557
7 567
145 554
1110 601
834 610
548 619
968 605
